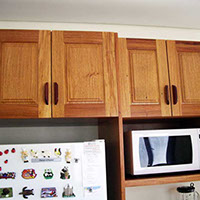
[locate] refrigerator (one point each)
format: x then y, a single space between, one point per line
56 170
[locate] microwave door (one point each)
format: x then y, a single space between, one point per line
153 151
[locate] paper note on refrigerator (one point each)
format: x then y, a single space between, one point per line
92 164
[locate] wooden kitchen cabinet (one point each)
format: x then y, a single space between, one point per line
25 74
184 70
143 78
84 74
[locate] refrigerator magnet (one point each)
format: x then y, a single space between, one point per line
8 175
13 150
68 156
68 191
6 151
64 174
6 193
48 174
29 174
76 160
26 192
34 154
24 156
48 192
57 152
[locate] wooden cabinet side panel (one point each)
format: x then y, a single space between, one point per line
44 73
58 72
174 76
110 76
163 74
112 131
124 78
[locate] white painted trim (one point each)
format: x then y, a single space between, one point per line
123 30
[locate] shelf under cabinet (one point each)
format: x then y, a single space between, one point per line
133 182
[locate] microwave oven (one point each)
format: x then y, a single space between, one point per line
162 151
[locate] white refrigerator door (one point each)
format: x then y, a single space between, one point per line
43 156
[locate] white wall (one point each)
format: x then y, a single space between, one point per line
123 30
157 192
52 134
162 192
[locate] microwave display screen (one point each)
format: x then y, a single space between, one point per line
167 150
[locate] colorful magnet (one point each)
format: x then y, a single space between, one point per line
13 150
48 192
68 191
8 175
24 156
1 153
34 154
6 151
25 192
6 193
6 161
90 190
46 154
29 174
64 174
68 156
48 174
57 152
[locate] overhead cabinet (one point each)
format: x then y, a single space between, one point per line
184 70
59 74
25 74
143 78
82 75
159 78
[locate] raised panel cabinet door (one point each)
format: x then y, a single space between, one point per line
143 78
25 78
84 74
184 69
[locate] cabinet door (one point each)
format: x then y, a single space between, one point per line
24 70
143 78
184 68
84 74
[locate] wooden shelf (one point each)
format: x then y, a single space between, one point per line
133 182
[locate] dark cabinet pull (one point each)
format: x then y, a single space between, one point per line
166 90
175 94
55 93
46 93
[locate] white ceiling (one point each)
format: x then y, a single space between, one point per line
169 13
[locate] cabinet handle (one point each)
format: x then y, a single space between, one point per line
175 94
55 93
166 90
46 93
